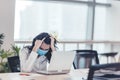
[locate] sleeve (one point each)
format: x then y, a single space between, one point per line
27 61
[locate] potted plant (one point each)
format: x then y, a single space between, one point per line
16 50
4 54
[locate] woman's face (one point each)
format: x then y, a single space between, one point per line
45 46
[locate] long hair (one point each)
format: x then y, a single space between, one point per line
47 41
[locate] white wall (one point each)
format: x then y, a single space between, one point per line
113 21
7 8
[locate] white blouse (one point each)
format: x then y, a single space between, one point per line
30 62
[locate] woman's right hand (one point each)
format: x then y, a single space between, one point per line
37 44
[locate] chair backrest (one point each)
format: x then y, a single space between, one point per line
104 71
85 58
14 63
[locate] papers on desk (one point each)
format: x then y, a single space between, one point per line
107 75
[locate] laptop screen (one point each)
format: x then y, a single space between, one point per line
61 61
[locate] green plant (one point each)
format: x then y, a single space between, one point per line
16 50
4 54
1 39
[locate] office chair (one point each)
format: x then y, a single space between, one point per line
85 58
109 71
14 63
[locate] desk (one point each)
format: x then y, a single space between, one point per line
73 75
109 54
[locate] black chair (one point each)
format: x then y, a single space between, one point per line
109 71
14 63
85 58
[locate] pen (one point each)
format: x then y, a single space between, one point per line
23 74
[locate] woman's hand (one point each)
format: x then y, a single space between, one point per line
37 44
52 43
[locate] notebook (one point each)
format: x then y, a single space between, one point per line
61 62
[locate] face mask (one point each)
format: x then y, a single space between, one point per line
42 52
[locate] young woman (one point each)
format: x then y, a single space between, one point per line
34 58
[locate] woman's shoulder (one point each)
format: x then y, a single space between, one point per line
25 49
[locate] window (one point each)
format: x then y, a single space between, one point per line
101 1
66 19
100 29
100 23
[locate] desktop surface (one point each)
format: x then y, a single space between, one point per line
77 74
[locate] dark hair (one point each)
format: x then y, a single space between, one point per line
47 41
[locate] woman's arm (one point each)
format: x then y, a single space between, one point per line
27 61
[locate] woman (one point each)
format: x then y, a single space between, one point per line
34 58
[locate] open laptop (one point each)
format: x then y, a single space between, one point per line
61 62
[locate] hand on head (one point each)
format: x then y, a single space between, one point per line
52 40
52 43
44 40
37 44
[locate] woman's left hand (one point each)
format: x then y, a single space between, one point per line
52 43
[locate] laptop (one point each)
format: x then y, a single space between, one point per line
61 62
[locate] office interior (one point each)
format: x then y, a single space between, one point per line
77 24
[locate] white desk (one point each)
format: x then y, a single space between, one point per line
73 75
